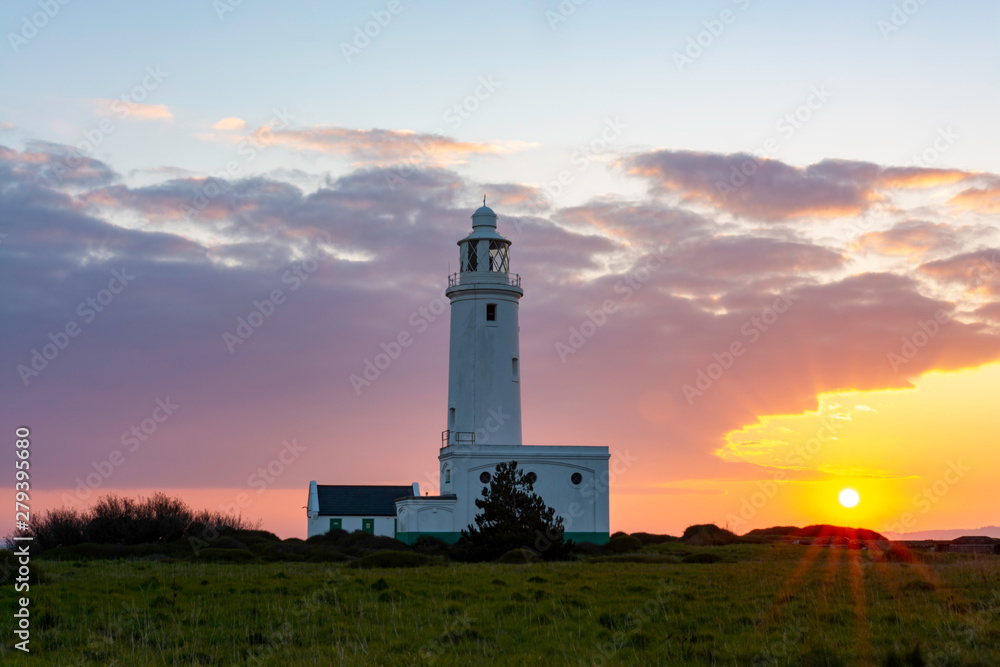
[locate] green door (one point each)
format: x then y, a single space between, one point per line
334 524
368 525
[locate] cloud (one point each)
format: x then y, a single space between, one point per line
984 199
230 123
123 109
912 237
770 190
195 276
383 147
977 271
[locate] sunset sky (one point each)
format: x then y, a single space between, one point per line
792 208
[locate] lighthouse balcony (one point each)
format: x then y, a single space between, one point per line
467 277
449 437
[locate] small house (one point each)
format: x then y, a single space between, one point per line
371 509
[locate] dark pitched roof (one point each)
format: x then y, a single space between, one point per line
360 500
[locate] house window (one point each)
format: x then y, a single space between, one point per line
491 312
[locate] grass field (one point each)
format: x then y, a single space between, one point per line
763 605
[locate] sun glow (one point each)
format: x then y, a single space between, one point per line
849 498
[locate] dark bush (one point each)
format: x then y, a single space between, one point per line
702 558
708 535
90 551
518 557
324 555
621 543
121 520
9 564
650 538
211 555
586 549
59 527
332 537
229 543
394 559
432 546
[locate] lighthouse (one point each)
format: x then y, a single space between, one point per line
483 423
484 385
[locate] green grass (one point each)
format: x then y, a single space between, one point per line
761 605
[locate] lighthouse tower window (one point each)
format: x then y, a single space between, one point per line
491 312
498 256
471 263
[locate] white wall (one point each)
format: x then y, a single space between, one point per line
584 506
321 524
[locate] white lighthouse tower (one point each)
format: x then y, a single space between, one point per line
484 387
484 409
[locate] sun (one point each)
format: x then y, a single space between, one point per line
849 498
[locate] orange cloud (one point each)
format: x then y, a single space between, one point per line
912 237
123 109
383 147
230 123
984 200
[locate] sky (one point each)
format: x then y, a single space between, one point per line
780 219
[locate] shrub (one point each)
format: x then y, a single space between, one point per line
426 544
122 520
512 516
90 551
323 555
9 565
58 527
622 543
649 538
586 549
212 555
229 543
393 559
702 558
708 535
518 557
